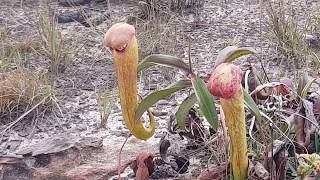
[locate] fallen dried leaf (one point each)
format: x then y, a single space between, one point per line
164 145
262 92
143 166
275 159
215 173
261 171
298 122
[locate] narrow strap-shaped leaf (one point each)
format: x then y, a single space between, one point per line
249 102
164 60
230 53
183 110
303 80
154 97
306 88
206 101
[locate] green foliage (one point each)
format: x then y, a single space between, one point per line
309 165
230 53
251 105
304 85
158 95
201 95
232 42
164 60
183 110
105 106
53 45
206 101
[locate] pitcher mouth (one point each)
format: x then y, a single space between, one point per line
121 49
119 36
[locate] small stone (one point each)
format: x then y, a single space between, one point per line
81 127
23 133
123 132
159 113
69 3
118 118
163 102
151 87
13 145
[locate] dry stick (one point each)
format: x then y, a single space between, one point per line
189 53
271 168
119 159
23 115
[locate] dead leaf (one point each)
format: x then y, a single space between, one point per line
310 122
164 146
288 82
261 171
215 173
275 159
315 98
194 130
250 80
304 122
298 122
262 92
172 152
143 166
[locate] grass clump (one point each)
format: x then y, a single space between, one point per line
21 90
53 45
286 32
106 103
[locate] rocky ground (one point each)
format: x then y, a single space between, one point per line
90 69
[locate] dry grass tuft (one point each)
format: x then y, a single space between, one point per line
53 45
290 37
155 26
286 33
21 90
11 49
106 101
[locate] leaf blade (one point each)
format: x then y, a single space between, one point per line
206 101
249 102
306 88
154 97
230 53
164 60
183 110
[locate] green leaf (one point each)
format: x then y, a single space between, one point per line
154 97
164 60
183 110
206 101
251 105
230 53
303 81
307 88
304 85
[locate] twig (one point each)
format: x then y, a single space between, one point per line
189 53
271 168
119 159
